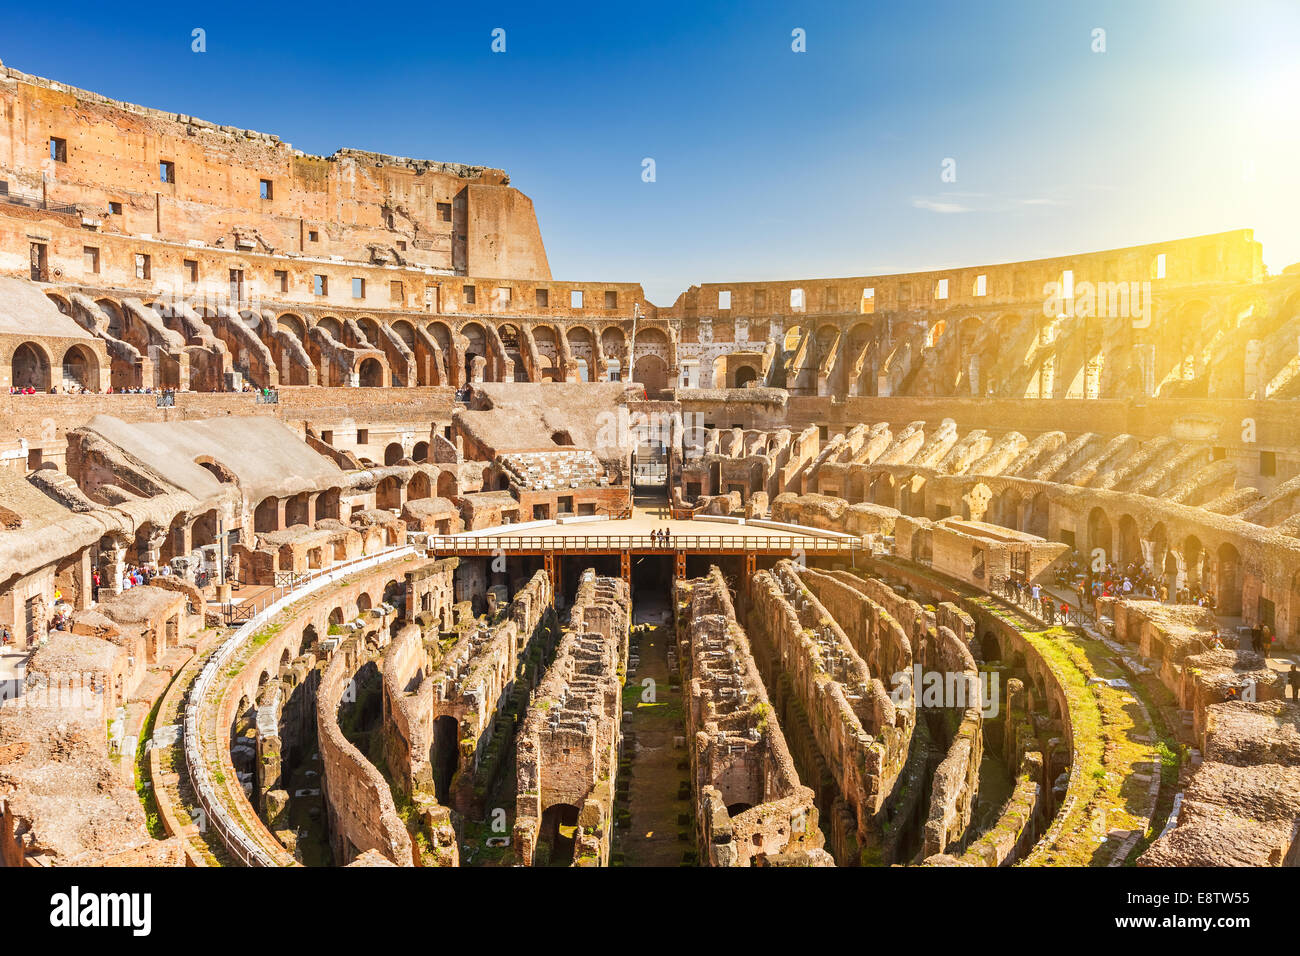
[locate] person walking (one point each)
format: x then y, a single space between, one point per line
1293 679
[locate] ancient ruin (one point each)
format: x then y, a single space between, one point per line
336 531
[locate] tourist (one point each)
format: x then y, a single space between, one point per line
1293 681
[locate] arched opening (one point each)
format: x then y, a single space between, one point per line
1130 542
990 649
1193 555
393 453
418 486
388 493
420 453
331 326
308 641
1099 533
446 755
296 509
363 603
1038 522
651 372
1228 591
205 530
746 374
80 369
31 368
266 516
446 485
371 374
558 836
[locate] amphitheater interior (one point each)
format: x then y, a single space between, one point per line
336 531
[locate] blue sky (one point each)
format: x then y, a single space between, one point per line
769 163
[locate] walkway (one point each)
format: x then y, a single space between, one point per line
657 771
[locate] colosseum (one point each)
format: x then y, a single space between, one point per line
336 531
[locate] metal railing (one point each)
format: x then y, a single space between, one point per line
33 202
233 836
642 542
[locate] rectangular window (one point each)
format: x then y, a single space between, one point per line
58 149
941 289
281 280
363 436
501 297
90 259
1158 269
358 288
1268 463
868 300
142 266
543 298
166 171
395 292
327 436
611 300
115 209
724 300
265 189
796 300
236 285
470 295
190 268
575 299
1067 284
981 285
320 285
444 211
313 235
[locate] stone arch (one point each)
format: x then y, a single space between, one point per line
1100 534
81 368
418 486
651 371
292 324
1193 560
116 320
744 375
30 367
405 331
393 453
447 484
613 343
1227 596
388 493
370 374
1038 520
420 452
266 516
370 329
1130 541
